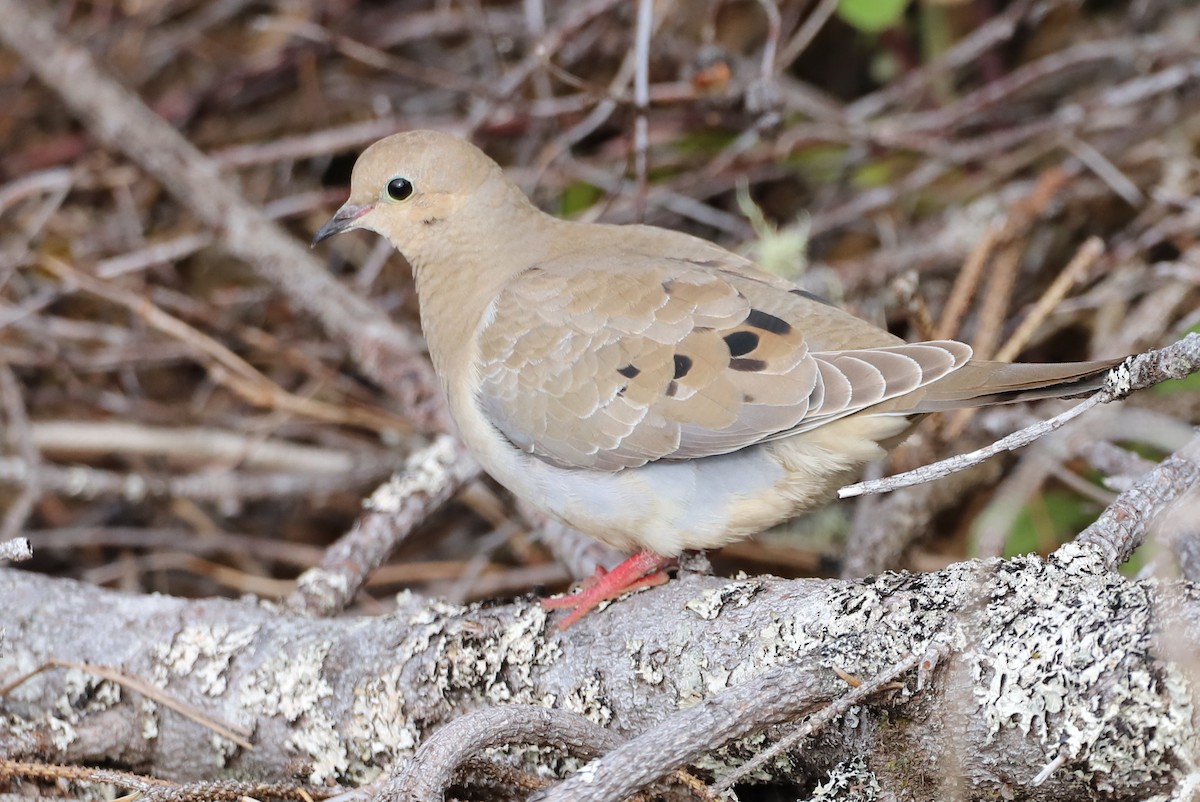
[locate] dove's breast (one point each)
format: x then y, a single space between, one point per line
668 506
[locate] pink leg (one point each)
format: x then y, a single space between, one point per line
643 570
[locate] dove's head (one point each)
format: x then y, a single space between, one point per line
414 186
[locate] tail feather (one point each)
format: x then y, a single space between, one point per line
980 383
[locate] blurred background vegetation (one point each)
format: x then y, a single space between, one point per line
938 167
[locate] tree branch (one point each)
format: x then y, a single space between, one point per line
1045 656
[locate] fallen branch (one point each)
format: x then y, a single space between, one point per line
1044 655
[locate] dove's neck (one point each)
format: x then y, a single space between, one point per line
462 268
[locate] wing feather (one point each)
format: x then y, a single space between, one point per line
612 364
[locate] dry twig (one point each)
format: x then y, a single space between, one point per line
1174 361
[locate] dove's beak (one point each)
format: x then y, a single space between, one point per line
342 220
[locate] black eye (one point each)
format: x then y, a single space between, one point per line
399 188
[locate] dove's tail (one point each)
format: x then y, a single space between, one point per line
981 383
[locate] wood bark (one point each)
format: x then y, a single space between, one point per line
1047 661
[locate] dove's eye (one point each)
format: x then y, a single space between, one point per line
399 188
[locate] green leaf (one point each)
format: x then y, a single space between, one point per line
703 142
577 197
871 16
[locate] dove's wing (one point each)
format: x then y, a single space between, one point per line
614 363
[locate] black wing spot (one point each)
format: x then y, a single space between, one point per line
748 365
761 320
741 342
812 296
629 371
682 365
672 388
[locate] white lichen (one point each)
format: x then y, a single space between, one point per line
587 699
454 665
1043 667
83 695
203 654
709 604
649 667
291 684
848 780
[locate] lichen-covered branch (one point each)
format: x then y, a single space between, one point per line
430 478
1047 660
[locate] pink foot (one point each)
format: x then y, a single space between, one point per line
643 570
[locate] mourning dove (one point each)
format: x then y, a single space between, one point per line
644 386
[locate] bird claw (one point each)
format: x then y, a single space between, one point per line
642 570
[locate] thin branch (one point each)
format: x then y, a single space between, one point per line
1123 527
238 736
1175 361
81 481
775 696
641 100
153 788
1087 255
817 721
966 284
808 31
119 118
430 478
426 777
18 425
196 444
224 366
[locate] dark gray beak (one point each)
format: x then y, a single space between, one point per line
342 220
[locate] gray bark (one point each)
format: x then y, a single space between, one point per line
1046 659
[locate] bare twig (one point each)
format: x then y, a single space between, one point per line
119 118
13 769
199 444
803 37
153 788
18 425
430 478
179 539
225 367
1174 361
879 542
996 30
1072 274
147 689
516 76
426 777
80 481
966 284
777 695
1114 461
1123 527
641 100
817 721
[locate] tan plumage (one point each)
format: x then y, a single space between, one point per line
647 387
